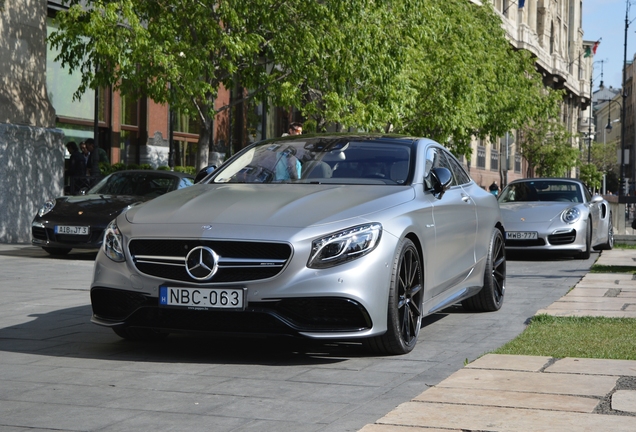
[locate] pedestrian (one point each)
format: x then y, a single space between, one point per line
76 168
103 156
494 188
84 151
92 165
295 128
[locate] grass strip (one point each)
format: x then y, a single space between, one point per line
596 268
584 337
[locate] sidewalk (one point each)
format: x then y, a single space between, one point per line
531 393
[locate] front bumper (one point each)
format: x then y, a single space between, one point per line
43 235
294 316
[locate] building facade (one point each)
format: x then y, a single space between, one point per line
552 31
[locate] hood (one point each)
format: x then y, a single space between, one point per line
533 211
280 205
94 205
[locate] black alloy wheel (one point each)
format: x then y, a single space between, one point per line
404 317
491 296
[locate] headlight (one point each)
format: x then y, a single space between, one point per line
571 215
344 246
114 243
47 207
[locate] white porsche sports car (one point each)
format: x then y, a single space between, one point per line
555 214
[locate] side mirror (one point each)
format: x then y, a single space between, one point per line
596 199
204 173
441 180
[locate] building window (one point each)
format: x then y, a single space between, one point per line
129 111
494 159
481 157
517 163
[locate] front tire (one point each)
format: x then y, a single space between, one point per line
588 242
404 316
609 245
491 296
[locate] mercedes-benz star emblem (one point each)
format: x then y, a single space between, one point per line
202 263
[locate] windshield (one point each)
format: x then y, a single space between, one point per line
541 190
149 184
320 160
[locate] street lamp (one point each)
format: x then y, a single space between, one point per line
622 189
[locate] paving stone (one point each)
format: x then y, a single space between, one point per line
510 362
587 312
510 399
593 303
624 400
530 382
588 366
396 428
479 418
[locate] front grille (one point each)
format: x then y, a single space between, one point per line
562 238
38 233
525 243
239 261
48 234
286 316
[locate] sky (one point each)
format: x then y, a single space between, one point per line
605 20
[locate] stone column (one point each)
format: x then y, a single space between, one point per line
31 149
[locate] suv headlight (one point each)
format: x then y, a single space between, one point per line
114 243
344 246
47 207
571 215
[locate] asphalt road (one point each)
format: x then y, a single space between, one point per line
60 372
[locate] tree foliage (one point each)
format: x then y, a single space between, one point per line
437 68
591 176
547 146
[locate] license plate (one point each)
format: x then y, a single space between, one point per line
202 298
72 230
521 235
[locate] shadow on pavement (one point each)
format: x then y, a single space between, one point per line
28 251
69 333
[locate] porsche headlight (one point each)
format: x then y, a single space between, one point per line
114 243
344 246
571 215
47 207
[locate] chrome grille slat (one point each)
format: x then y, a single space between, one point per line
238 261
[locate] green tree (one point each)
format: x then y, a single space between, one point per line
605 157
591 176
547 146
466 78
182 51
437 68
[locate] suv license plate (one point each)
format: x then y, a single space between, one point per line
203 298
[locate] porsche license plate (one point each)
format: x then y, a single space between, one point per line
522 235
72 230
202 298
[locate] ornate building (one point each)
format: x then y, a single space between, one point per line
552 31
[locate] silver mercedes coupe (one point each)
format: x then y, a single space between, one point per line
331 237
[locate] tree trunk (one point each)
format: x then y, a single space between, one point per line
203 147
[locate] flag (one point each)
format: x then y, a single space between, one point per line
521 3
592 50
